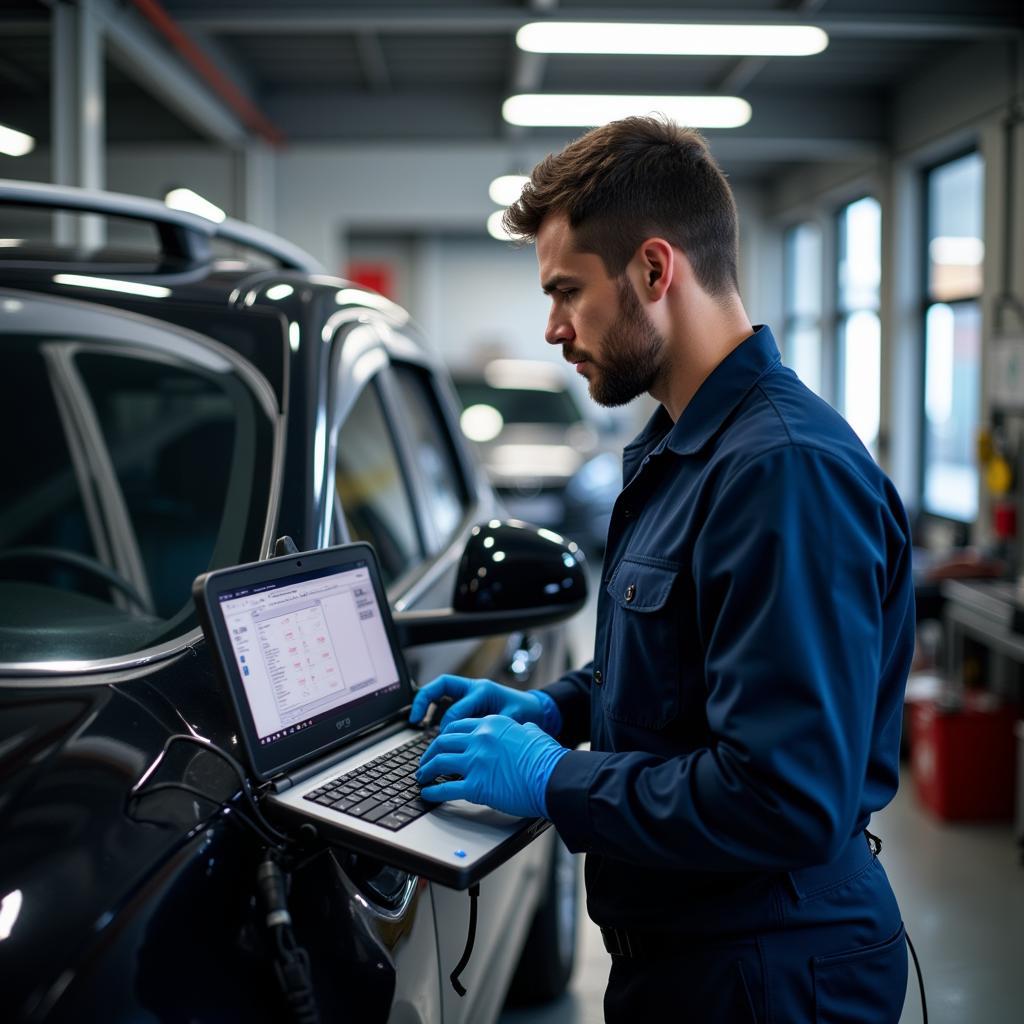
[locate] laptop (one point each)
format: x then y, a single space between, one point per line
307 651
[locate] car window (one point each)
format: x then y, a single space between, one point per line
435 459
372 489
139 472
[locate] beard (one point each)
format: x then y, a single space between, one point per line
632 354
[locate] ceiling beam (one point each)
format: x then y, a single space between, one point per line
739 76
787 124
527 72
132 47
18 76
373 62
298 20
226 61
744 70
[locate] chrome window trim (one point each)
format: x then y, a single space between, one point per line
82 320
357 358
98 469
83 476
92 666
437 567
351 358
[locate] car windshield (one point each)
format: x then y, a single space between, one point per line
521 405
126 473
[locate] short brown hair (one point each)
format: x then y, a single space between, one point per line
630 180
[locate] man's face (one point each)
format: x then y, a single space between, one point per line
597 319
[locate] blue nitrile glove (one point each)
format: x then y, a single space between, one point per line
475 698
503 764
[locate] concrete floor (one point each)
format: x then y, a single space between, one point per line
961 888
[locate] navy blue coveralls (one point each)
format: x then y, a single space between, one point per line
754 634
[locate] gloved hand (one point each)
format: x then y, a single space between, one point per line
478 697
503 764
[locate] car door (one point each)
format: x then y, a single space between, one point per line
405 484
137 456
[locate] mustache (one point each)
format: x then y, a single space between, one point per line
572 355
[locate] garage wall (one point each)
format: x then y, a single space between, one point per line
947 108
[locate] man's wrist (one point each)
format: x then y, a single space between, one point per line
550 717
549 770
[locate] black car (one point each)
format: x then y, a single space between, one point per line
182 409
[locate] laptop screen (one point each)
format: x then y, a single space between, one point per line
307 647
308 650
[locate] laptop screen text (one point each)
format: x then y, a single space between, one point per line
307 647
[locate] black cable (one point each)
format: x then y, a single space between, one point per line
182 737
920 979
474 895
184 787
291 962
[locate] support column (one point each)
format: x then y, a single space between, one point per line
78 113
256 187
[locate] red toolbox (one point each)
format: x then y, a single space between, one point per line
963 758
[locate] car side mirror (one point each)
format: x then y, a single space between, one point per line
512 576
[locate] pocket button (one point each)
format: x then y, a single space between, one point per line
598 678
630 592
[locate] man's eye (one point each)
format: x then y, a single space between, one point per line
567 292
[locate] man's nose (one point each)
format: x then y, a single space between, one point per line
559 330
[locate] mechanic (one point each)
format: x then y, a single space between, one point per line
754 626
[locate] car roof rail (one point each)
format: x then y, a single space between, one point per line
182 235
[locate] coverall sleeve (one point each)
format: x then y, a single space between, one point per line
572 695
790 572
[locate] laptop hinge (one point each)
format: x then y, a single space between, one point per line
284 781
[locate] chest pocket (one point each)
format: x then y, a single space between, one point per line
641 676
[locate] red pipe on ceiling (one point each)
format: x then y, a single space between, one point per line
208 71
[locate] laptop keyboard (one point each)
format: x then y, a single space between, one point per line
383 791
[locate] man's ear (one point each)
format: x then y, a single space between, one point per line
656 262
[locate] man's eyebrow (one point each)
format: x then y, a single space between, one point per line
554 282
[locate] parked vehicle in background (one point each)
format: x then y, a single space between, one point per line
550 463
170 412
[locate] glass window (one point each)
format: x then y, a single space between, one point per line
802 293
433 455
142 473
372 489
952 337
859 330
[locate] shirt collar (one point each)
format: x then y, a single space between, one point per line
725 387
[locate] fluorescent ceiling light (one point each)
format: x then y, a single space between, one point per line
496 229
536 110
108 284
506 190
192 202
10 243
279 291
622 37
15 143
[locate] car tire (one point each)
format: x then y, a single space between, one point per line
549 955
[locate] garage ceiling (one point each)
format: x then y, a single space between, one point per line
338 70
